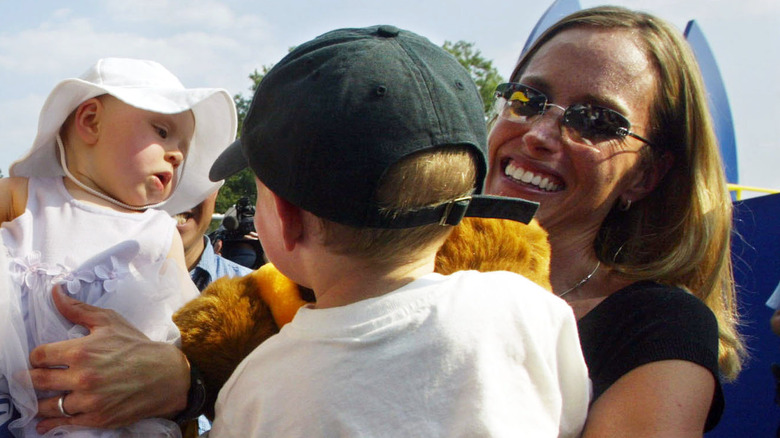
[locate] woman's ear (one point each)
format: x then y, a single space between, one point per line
87 119
647 179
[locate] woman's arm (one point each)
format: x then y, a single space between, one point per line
13 198
114 376
774 322
670 399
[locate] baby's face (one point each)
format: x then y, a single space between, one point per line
140 153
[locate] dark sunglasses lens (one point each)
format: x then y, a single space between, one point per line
522 101
595 123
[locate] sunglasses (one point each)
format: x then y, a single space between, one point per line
584 122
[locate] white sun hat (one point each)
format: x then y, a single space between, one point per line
149 86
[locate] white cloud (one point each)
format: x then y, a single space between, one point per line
66 44
197 14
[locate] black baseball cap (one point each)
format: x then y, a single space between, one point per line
330 118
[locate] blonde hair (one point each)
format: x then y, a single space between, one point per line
425 178
680 234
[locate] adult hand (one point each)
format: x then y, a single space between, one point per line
774 322
113 377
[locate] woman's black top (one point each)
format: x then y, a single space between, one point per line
648 322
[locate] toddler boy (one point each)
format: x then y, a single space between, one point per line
368 146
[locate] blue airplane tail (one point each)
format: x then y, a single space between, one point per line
718 100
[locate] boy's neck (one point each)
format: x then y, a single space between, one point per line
348 281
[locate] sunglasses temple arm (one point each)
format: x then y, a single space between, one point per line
640 138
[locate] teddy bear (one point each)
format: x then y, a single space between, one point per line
234 315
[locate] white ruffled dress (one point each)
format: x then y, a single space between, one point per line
100 256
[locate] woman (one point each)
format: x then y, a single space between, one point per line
605 123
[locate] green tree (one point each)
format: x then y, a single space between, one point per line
241 184
481 70
242 102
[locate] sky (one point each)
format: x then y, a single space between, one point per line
208 43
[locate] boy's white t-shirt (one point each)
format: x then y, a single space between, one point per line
470 354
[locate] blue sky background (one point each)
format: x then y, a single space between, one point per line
211 43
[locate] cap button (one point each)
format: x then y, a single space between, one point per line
388 31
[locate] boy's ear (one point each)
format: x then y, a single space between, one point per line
648 178
87 120
291 221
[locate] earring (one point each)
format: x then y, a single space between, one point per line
625 205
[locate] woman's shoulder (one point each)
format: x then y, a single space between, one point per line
650 301
651 312
647 322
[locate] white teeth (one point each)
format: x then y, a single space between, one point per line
529 177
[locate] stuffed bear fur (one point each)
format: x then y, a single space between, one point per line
234 315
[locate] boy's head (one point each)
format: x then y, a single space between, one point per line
425 178
148 86
331 120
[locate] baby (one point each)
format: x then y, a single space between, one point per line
79 212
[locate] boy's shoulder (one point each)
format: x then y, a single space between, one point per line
502 299
500 285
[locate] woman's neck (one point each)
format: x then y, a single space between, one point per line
576 271
572 259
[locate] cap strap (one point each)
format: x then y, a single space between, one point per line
93 191
501 207
452 212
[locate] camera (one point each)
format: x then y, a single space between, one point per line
237 223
